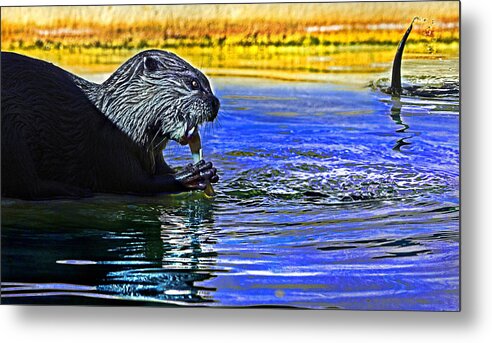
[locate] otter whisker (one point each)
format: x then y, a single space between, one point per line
217 123
152 140
159 144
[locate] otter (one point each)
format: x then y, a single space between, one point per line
64 136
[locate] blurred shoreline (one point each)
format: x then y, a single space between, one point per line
296 38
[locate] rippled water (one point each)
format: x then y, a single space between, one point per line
331 196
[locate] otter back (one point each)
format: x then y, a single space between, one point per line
55 143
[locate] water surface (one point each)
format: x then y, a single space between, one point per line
331 196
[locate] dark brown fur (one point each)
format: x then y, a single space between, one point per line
56 143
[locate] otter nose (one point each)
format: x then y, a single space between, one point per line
215 107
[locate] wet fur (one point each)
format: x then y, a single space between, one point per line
57 143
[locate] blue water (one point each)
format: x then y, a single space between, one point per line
330 196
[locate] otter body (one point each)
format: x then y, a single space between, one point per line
62 138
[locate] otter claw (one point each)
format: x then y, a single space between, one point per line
190 166
196 177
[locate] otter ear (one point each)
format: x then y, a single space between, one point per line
151 64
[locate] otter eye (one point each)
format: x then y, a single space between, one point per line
151 64
194 84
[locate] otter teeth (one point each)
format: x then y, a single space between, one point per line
190 132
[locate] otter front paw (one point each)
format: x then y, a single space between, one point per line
196 176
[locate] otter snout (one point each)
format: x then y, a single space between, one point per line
215 105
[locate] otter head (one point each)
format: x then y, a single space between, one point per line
156 96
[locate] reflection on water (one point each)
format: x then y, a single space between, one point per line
437 91
330 197
396 117
153 249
